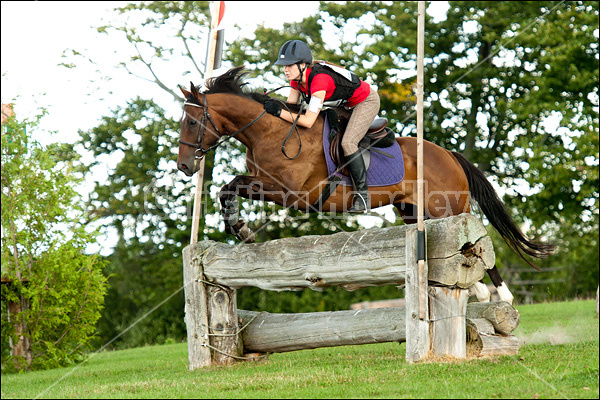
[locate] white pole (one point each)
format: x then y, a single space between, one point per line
210 60
420 206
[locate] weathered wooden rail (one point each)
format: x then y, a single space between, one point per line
458 252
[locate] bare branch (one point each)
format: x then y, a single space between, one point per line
188 52
156 80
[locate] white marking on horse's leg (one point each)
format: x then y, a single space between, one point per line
504 293
482 292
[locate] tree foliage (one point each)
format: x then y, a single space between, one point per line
514 88
55 288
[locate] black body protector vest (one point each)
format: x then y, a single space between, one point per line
346 83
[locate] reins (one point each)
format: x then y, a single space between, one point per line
294 124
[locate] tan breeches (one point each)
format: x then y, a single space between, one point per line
360 118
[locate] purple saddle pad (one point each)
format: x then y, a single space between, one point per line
382 171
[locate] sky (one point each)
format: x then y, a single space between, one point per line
35 34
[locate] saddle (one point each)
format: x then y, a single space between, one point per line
378 135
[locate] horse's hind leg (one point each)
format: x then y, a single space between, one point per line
408 212
503 292
482 292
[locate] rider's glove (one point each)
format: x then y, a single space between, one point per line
273 106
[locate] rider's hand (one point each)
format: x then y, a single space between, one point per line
273 106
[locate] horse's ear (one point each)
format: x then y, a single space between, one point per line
194 91
186 94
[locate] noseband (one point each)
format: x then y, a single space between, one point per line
202 131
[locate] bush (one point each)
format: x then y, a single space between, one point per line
51 289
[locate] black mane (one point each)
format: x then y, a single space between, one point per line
232 82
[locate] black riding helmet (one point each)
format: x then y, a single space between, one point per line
294 52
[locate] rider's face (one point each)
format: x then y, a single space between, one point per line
292 72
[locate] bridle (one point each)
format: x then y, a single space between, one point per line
199 145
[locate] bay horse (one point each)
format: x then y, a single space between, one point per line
227 110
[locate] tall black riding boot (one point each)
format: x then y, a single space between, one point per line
358 173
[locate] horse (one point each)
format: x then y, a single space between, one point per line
226 110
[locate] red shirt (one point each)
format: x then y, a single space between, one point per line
325 82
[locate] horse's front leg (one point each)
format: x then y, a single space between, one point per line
230 211
252 188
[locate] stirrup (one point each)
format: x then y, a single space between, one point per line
360 204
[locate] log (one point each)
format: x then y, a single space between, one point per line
501 314
499 345
265 332
458 252
477 326
275 333
483 342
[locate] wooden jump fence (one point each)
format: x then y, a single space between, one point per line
458 253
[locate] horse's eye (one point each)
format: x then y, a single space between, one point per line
193 122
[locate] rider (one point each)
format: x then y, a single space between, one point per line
349 96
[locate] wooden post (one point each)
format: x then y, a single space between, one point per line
223 322
421 257
418 345
210 316
447 311
210 61
196 312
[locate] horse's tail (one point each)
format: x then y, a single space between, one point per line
486 197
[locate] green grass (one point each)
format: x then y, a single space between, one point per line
559 360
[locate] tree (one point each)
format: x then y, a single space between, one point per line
497 78
54 290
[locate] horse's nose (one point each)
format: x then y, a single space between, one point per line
184 168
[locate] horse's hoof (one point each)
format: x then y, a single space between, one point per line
245 234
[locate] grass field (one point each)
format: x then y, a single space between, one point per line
558 360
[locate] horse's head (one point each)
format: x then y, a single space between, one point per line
202 124
199 132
